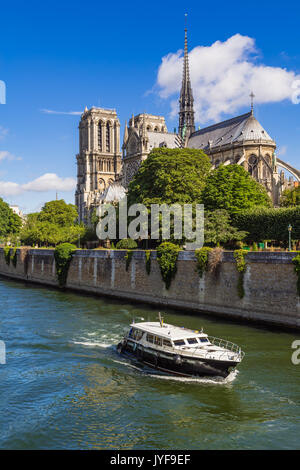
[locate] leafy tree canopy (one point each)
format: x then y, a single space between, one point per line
170 176
218 228
59 213
56 223
233 188
10 223
290 197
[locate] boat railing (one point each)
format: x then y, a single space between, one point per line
227 345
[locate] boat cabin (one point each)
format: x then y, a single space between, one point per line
167 335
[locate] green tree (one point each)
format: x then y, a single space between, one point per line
232 188
10 223
290 197
170 176
59 213
218 228
56 223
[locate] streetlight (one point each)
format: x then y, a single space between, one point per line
290 228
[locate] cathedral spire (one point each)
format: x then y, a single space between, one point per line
186 100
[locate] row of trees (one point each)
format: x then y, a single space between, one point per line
185 176
236 206
55 223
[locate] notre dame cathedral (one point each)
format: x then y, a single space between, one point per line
103 173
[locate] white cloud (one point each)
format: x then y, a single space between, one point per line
8 188
50 182
4 154
3 132
46 182
222 76
71 113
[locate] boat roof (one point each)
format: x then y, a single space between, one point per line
168 331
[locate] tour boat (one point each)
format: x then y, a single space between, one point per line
180 351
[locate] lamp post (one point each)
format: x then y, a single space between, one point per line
290 228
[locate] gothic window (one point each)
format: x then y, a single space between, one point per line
268 159
101 184
237 158
100 135
155 129
217 163
108 137
253 165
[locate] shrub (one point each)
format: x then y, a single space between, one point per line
202 259
148 261
63 255
296 262
264 223
126 244
167 254
241 265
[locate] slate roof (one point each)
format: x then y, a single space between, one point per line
157 139
238 129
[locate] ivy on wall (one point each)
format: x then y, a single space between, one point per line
167 254
296 262
63 255
13 256
241 265
148 261
128 258
6 251
202 259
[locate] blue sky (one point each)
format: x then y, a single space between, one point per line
62 56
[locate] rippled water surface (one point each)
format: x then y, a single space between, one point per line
65 386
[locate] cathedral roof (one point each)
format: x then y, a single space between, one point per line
162 139
239 129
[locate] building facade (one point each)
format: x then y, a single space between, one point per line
99 159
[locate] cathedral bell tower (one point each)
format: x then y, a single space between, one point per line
186 100
99 158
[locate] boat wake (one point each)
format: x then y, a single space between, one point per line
201 380
93 344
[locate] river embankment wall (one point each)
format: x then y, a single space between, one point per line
269 282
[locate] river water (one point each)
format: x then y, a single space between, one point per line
65 387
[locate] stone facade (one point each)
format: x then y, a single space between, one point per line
99 158
144 133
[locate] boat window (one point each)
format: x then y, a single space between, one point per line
203 340
138 335
150 338
158 340
166 342
179 342
192 341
